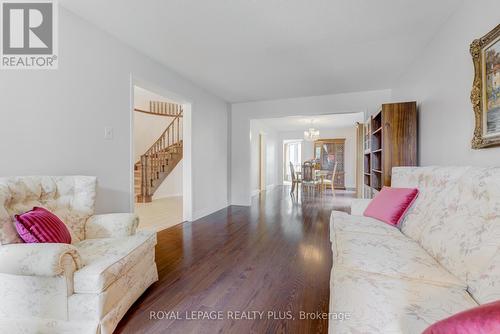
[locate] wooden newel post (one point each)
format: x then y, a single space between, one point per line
144 176
178 127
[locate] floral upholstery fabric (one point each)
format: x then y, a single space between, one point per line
343 222
85 287
358 206
461 227
382 305
398 257
484 284
112 225
90 306
434 185
71 198
33 296
37 259
105 260
451 263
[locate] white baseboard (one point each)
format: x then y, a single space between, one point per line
207 211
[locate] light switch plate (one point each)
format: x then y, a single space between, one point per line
108 133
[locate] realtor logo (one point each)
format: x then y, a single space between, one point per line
29 35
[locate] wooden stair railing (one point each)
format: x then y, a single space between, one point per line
162 109
160 159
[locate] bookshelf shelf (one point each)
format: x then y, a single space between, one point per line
393 142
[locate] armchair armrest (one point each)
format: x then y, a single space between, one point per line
112 225
42 259
358 206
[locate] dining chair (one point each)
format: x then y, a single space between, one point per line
308 178
331 182
295 179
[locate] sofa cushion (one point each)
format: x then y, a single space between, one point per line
466 239
95 306
459 223
434 185
105 260
378 304
398 257
484 285
341 221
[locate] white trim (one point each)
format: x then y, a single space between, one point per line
187 166
131 146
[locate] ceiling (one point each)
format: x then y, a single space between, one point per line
247 50
320 122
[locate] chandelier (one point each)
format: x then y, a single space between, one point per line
311 134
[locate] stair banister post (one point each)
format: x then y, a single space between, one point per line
144 166
178 119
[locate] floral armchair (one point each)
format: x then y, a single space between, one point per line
85 287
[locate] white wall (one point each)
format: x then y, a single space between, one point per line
172 185
349 133
440 80
242 113
52 122
270 155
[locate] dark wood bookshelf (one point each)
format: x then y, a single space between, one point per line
393 142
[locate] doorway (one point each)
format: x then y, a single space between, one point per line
160 157
292 151
262 162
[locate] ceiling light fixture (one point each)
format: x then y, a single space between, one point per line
311 134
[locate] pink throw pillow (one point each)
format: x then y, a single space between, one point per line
41 226
391 204
483 319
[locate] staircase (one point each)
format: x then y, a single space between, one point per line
162 157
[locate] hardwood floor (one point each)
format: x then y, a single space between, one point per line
273 257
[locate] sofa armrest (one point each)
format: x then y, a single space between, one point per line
112 225
42 259
358 206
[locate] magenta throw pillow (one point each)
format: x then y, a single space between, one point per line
483 319
41 226
391 204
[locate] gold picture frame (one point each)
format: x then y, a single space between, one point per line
485 94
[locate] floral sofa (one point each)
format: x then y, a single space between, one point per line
445 257
81 288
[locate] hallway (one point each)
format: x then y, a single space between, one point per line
273 257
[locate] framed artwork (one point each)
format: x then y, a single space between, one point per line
485 95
